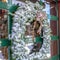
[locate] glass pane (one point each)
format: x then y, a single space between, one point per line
4 53
3 32
31 37
3 24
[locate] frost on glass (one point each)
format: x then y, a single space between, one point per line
24 32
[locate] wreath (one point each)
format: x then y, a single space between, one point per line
30 32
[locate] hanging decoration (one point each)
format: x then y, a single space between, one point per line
32 44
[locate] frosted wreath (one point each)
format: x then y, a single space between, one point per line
23 16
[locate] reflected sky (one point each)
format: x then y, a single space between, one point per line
1 56
47 9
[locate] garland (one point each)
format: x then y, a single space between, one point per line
23 16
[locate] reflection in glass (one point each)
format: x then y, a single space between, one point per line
3 32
